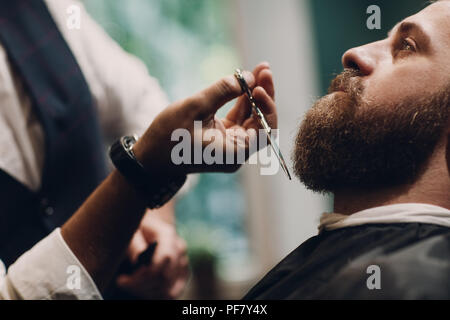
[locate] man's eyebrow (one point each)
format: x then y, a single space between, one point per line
404 27
412 27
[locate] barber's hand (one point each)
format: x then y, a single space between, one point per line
238 128
166 275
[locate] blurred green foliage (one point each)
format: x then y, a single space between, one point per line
185 44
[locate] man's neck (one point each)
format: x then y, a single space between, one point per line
431 188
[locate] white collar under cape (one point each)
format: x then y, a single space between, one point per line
396 213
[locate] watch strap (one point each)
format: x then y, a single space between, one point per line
156 190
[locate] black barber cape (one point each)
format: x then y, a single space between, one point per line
411 261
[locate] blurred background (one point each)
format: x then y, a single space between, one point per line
239 226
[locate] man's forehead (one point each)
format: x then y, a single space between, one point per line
434 20
439 10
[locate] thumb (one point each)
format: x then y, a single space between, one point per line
226 89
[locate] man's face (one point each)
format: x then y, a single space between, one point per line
385 114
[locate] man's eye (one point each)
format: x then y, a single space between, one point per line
407 45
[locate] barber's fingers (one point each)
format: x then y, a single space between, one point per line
264 100
265 80
182 272
179 285
226 89
137 245
260 67
242 109
263 76
267 107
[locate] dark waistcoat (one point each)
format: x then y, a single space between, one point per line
74 153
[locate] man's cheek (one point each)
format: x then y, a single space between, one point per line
389 89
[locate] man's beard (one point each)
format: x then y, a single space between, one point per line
347 144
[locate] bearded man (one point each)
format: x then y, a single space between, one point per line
379 141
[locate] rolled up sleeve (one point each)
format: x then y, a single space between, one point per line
48 271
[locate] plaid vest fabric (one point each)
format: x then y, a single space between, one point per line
74 152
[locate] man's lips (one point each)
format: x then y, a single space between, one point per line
346 87
339 87
341 90
348 82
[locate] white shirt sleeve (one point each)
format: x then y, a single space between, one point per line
127 97
48 271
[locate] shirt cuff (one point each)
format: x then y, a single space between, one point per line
49 271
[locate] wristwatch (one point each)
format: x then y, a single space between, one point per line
156 190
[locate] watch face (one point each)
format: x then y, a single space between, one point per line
128 142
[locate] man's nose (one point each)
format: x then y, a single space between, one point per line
364 58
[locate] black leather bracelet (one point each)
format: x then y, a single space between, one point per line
156 192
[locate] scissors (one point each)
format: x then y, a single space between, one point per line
262 120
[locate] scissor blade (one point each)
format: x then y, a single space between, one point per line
262 121
279 155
